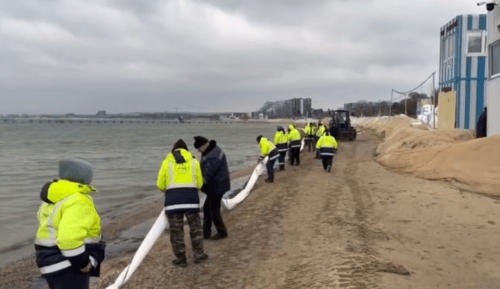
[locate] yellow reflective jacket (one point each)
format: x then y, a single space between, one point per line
327 141
293 134
280 138
69 224
308 129
186 174
180 177
266 147
321 131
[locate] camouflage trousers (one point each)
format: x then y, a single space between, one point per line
176 225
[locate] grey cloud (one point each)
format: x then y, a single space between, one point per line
125 55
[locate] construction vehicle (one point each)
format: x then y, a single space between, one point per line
340 125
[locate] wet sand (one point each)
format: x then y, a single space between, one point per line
360 226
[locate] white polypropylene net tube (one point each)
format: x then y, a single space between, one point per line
146 245
161 223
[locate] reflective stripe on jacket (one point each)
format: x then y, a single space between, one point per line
267 148
327 145
180 177
281 141
69 230
294 137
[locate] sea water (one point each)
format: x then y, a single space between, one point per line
126 157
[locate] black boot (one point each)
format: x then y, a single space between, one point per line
200 259
269 180
219 235
180 263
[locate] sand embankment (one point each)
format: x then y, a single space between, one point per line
447 155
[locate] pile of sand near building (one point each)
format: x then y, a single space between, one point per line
451 155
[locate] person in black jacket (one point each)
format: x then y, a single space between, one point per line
481 125
216 183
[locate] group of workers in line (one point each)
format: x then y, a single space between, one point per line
317 138
69 245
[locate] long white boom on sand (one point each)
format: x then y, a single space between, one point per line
231 203
161 223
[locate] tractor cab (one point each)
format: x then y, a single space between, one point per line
340 125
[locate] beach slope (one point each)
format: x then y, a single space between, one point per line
360 226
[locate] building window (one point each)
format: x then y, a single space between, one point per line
476 43
494 58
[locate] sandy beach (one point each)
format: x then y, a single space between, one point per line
361 226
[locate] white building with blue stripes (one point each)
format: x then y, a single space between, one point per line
463 66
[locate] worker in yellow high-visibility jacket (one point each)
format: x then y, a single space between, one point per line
309 130
267 148
281 143
180 178
320 131
68 241
327 146
294 137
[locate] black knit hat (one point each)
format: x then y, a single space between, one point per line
199 141
180 144
259 137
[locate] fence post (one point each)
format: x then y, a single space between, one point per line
390 107
433 102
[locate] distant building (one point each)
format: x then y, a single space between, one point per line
463 66
101 113
292 108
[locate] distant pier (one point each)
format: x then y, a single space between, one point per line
110 121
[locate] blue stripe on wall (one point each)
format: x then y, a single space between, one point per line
482 22
469 22
468 69
481 71
458 54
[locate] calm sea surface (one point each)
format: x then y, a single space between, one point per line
126 158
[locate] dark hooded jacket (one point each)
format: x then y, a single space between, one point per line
215 170
481 125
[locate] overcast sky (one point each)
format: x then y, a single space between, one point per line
81 56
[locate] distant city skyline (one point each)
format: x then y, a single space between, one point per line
214 55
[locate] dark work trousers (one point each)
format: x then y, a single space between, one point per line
270 168
295 156
74 279
176 226
281 160
316 151
310 143
327 161
211 213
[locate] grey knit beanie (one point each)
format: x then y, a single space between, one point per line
76 170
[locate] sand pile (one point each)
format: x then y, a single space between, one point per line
452 155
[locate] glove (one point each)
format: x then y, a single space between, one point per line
261 158
92 264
